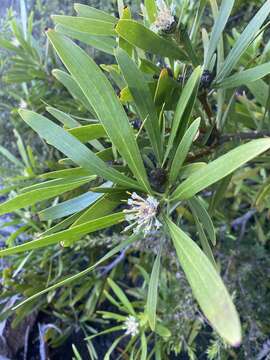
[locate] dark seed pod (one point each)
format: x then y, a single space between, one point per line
206 79
158 178
170 29
136 124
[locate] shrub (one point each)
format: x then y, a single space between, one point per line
145 160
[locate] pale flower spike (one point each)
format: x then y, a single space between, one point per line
165 20
132 326
142 214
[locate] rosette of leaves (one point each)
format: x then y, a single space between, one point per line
171 115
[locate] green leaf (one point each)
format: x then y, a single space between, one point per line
220 168
88 132
72 173
142 97
93 13
86 25
205 218
143 347
151 9
122 297
102 207
72 87
102 43
245 77
138 35
73 233
202 236
189 169
183 149
103 99
64 118
219 26
182 106
220 192
7 154
243 42
72 147
259 90
75 277
69 207
32 197
207 286
152 295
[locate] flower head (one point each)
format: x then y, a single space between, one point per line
132 326
23 104
142 213
165 21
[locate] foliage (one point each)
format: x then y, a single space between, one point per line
157 131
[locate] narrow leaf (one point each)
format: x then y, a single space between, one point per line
182 105
103 99
69 207
34 196
245 77
152 296
86 25
138 35
207 286
72 147
93 13
73 233
243 42
222 18
218 169
183 149
141 94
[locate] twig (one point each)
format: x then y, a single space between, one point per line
243 136
106 269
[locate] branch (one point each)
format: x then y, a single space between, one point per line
243 136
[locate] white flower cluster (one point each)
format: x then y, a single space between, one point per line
165 19
142 214
132 326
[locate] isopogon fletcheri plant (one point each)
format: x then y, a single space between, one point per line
160 133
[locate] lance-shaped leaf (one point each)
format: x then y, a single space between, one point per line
69 207
205 218
88 132
142 97
183 149
243 42
121 296
152 296
151 9
221 20
182 105
74 233
32 197
100 94
138 35
72 87
64 118
93 13
86 25
102 43
245 77
218 169
207 286
72 147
